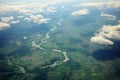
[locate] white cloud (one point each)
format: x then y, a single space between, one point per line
20 16
101 40
25 37
107 35
111 32
14 22
23 8
26 11
51 9
88 4
80 12
108 16
37 1
30 10
107 4
7 19
4 25
37 19
27 19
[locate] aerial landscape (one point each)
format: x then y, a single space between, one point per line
59 39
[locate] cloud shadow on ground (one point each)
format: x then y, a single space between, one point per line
108 54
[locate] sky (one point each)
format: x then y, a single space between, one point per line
5 1
45 1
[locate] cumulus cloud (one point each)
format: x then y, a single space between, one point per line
108 16
80 12
23 8
107 35
14 22
101 40
26 11
37 19
27 19
7 21
88 4
107 4
30 10
4 25
51 9
20 16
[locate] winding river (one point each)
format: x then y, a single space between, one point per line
44 40
21 68
35 45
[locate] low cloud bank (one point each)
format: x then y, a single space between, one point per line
80 12
4 25
37 19
107 35
51 9
105 4
108 16
5 22
28 12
